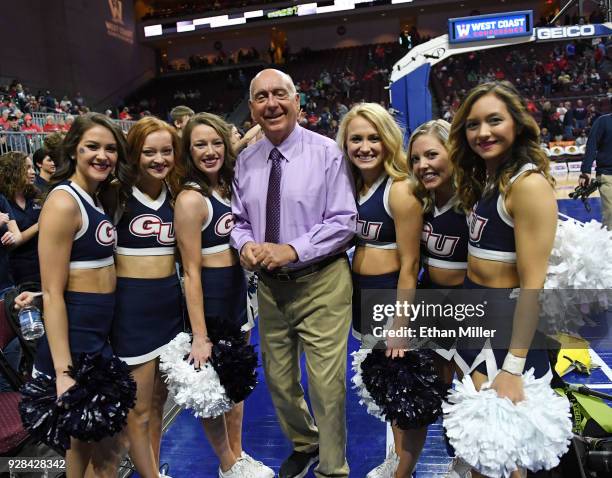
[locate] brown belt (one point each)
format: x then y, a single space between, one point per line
289 275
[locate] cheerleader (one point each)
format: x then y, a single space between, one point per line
215 286
75 248
17 176
389 227
504 181
444 240
148 311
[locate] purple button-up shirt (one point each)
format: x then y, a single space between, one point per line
318 212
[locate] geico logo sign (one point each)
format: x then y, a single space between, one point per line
565 32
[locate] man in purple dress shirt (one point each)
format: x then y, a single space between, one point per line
294 212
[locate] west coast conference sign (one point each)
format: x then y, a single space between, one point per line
490 27
516 24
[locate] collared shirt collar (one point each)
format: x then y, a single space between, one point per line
289 147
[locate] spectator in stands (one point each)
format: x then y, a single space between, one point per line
125 115
341 110
79 100
68 123
29 126
580 115
65 104
4 118
17 186
561 110
592 114
49 102
311 106
180 117
50 125
544 137
15 141
108 113
45 168
581 138
9 237
568 122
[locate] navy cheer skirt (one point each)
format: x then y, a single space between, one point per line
90 318
488 360
148 315
225 294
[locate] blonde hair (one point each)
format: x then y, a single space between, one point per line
470 168
395 160
439 129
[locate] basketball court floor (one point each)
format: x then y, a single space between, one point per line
188 453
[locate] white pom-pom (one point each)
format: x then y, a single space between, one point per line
579 277
581 257
200 391
497 437
365 398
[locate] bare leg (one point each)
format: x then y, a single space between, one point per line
106 455
160 394
141 451
77 458
397 439
412 442
216 432
233 420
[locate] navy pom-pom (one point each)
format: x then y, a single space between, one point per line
94 408
40 415
99 405
408 390
233 359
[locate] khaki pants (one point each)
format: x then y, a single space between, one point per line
605 192
312 315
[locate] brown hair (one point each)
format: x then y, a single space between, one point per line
13 176
470 168
187 171
66 161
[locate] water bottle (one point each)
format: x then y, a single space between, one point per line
31 323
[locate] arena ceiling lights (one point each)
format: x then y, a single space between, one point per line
267 15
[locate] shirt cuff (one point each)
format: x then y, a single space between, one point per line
239 244
302 248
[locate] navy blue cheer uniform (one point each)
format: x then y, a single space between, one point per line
491 233
5 278
444 245
90 315
224 288
375 228
148 312
23 260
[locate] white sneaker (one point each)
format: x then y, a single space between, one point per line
387 468
256 467
163 470
236 471
458 468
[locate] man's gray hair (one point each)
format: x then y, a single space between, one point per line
282 74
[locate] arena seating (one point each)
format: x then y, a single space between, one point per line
12 433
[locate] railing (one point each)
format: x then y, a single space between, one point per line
125 125
40 119
21 141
